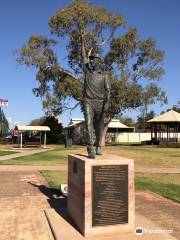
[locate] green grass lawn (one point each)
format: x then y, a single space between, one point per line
166 185
52 157
55 178
143 156
3 153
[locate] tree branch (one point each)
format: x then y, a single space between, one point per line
71 108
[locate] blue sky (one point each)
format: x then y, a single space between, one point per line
19 19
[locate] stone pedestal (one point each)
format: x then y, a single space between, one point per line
101 194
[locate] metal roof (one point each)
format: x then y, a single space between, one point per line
32 128
115 123
170 116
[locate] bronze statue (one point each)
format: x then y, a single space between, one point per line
96 100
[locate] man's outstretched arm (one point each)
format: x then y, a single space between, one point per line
83 53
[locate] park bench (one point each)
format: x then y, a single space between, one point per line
33 143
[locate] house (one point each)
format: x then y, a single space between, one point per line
76 130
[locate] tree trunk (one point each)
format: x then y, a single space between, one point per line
104 134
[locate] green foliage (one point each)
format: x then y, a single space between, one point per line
141 123
56 133
37 52
123 48
79 17
125 95
130 59
4 124
82 16
174 107
128 121
37 121
169 144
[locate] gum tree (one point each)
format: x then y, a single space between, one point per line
136 64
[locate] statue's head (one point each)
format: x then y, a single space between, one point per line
96 62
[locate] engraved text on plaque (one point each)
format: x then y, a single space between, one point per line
109 195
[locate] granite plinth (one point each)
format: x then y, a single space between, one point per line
101 194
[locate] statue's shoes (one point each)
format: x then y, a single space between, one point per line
91 153
98 151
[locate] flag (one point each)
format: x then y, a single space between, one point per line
4 102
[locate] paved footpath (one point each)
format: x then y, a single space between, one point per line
22 206
164 213
17 168
62 167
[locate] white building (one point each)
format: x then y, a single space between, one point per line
76 130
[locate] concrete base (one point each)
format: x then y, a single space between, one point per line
93 215
63 230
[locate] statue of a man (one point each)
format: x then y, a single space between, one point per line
96 100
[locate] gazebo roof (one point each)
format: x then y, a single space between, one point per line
170 116
32 128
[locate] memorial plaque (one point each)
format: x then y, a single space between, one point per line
109 195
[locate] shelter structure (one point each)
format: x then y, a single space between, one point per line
30 129
166 127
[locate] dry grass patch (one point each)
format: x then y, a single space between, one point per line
148 156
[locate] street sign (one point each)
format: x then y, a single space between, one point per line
4 102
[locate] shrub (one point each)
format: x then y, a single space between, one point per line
170 144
